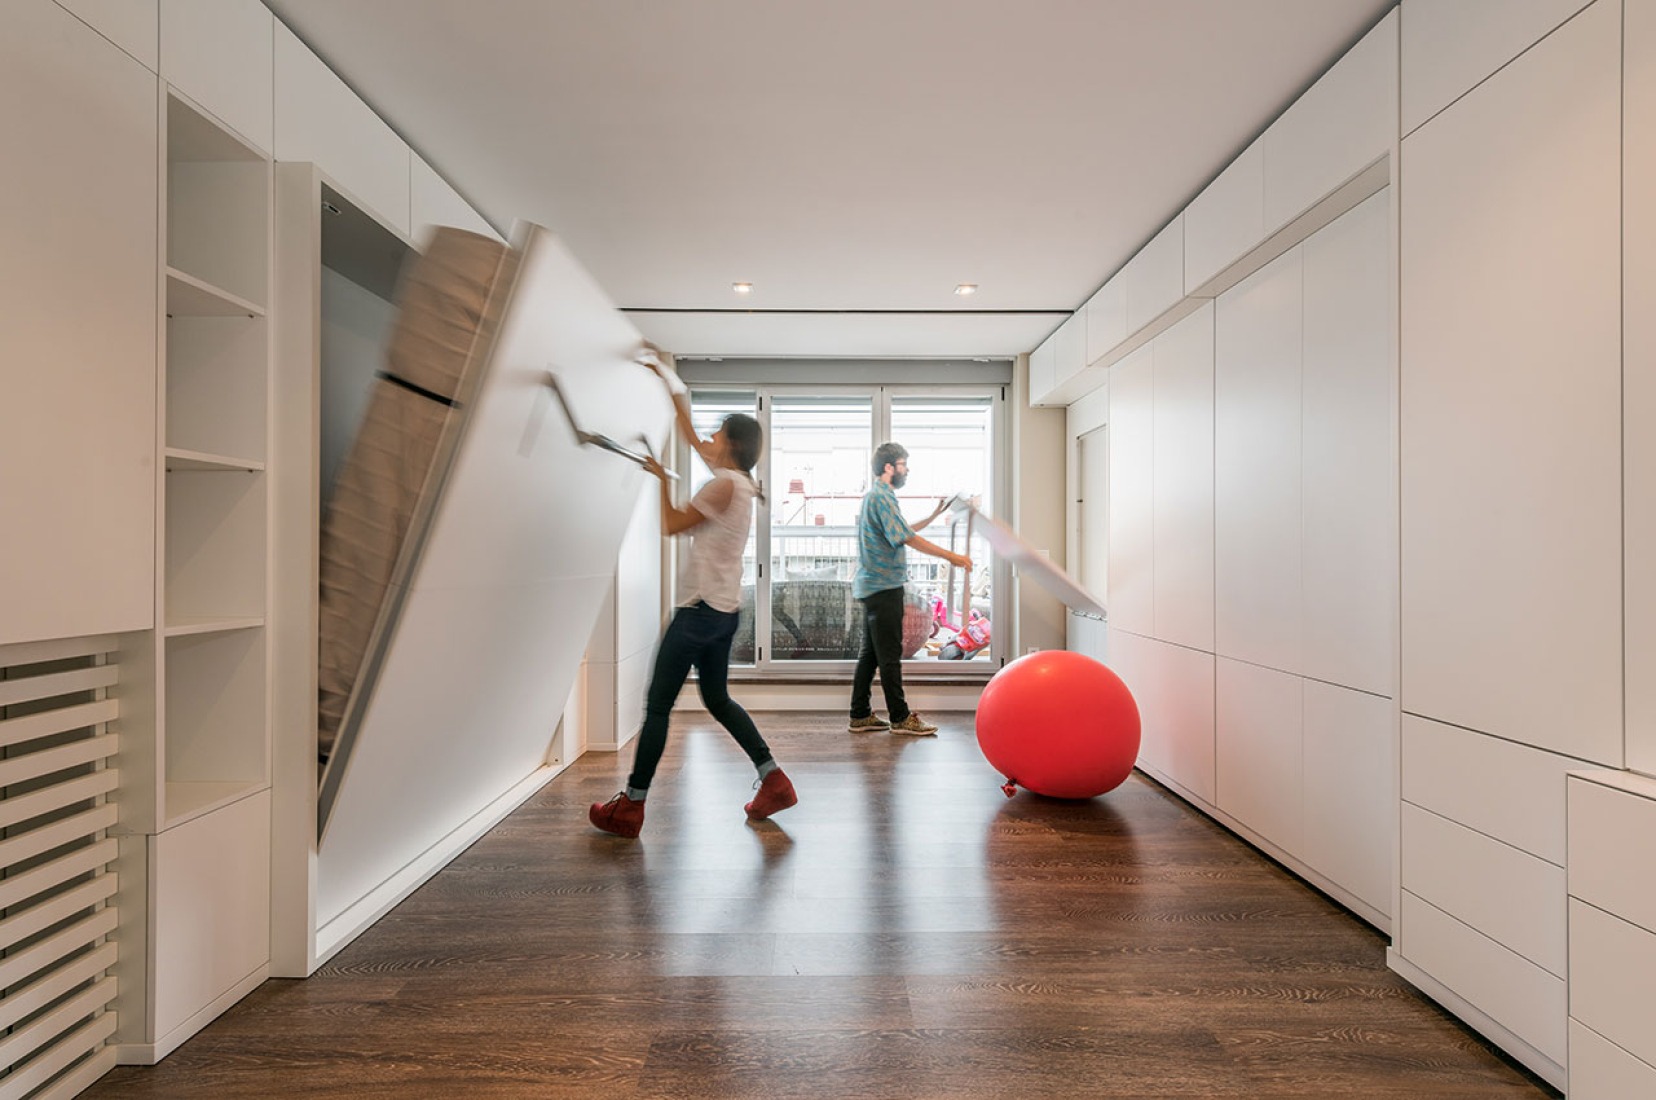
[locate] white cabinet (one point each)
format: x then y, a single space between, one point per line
1174 688
1257 497
1447 49
1507 894
130 24
1131 599
1069 349
1346 462
1155 277
1042 370
1350 790
1260 751
1612 934
319 119
1226 220
1508 791
210 885
1510 400
1506 987
1342 124
1612 970
1106 313
1639 379
78 274
433 202
1182 476
1601 1070
195 795
219 54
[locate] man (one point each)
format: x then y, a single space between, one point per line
884 536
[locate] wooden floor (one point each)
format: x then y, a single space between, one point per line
905 931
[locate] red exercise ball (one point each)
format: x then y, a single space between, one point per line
1059 724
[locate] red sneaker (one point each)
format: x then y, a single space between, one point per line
620 815
776 793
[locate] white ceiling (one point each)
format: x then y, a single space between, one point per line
853 159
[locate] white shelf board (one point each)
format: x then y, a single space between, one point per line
213 626
188 296
188 801
179 458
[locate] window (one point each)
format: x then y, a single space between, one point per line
802 556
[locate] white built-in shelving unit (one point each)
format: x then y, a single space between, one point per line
202 754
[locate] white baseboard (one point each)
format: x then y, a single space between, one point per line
358 917
148 1054
1538 1063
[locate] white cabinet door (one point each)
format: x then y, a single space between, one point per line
1346 121
1106 314
1612 840
1601 1070
1257 612
1260 751
1226 219
319 119
78 275
1612 970
1350 790
1639 379
1511 401
1183 476
130 24
1447 49
1131 600
219 53
1349 542
1070 349
1155 277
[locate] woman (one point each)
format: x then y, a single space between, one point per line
710 589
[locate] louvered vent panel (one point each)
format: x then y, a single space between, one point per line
57 885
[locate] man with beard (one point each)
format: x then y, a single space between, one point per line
883 535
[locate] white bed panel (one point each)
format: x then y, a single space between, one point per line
521 551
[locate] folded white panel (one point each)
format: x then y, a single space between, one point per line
474 673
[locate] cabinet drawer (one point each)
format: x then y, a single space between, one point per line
1613 849
1612 971
1510 896
1511 990
1509 791
1601 1070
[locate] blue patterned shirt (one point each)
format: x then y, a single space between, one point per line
882 559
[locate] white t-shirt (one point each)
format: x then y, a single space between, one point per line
712 570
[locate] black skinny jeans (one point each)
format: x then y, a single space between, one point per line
699 636
882 649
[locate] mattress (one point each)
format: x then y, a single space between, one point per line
451 298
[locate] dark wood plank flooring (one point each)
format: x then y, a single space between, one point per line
905 931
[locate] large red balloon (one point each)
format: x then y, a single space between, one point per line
1060 724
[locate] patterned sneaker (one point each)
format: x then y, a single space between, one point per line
776 793
872 724
620 816
914 726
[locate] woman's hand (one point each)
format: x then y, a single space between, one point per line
654 467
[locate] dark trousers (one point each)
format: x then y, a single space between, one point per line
882 649
699 636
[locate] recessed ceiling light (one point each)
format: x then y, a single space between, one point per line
966 288
742 288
